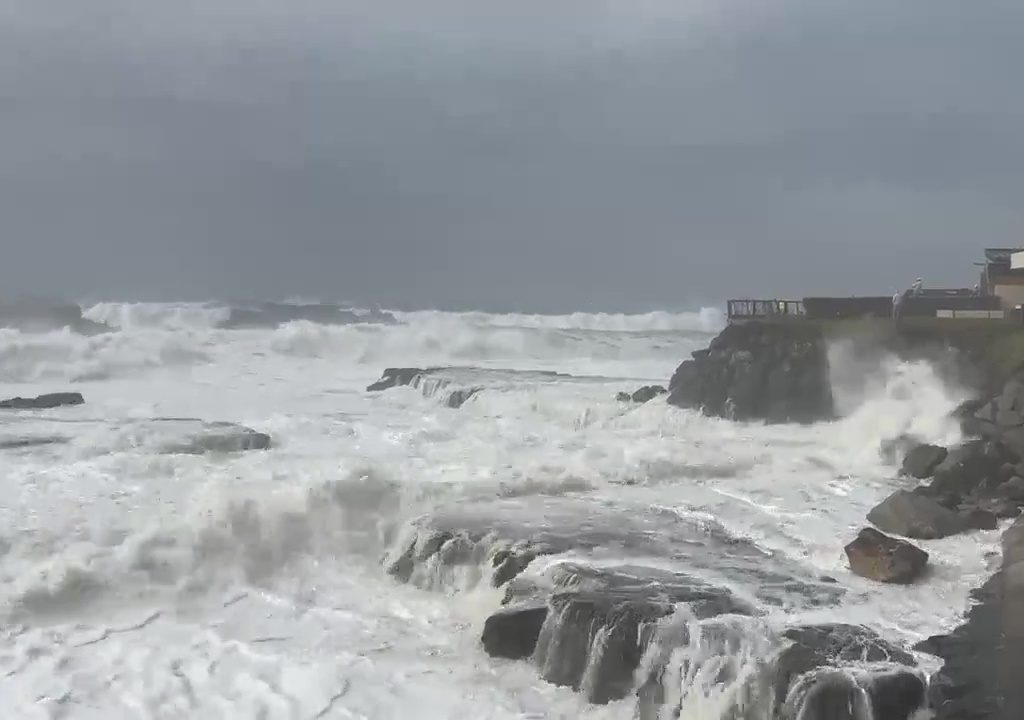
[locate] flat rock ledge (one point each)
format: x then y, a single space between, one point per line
610 632
43 402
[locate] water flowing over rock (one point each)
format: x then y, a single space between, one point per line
43 402
755 371
879 557
429 381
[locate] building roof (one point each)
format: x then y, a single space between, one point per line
1000 255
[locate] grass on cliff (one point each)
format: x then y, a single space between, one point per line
999 343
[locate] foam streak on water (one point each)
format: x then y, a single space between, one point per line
137 582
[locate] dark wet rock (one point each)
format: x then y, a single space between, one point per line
758 371
648 393
877 556
915 515
894 450
828 695
1012 489
921 461
822 667
43 402
568 647
397 377
623 397
219 437
512 632
896 695
977 518
458 398
983 659
601 621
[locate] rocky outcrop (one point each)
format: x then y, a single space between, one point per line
612 631
429 381
512 632
984 657
758 371
813 678
922 461
43 402
642 395
915 515
397 377
877 556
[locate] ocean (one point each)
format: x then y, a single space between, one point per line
144 574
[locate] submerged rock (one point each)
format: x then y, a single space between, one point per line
43 402
877 556
219 437
759 371
914 515
921 461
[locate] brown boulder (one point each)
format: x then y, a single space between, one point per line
877 556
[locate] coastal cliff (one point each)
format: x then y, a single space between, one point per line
756 371
781 373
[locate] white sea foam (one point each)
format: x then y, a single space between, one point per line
143 584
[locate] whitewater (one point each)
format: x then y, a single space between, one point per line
139 582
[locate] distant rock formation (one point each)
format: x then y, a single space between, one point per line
427 381
43 317
642 395
43 402
759 371
270 315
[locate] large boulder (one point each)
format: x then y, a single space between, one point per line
915 515
647 393
43 402
817 676
921 461
877 556
512 632
759 371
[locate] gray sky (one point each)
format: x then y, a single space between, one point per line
518 154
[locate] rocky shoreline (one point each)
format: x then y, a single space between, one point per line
611 632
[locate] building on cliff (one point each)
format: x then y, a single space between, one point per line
1003 276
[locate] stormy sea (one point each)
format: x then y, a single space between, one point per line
231 525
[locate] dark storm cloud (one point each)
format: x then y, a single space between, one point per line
530 155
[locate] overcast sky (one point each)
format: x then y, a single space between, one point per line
515 154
